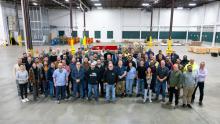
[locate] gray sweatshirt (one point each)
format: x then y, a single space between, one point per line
189 79
22 77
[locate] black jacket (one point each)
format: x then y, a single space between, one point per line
110 76
101 71
50 74
92 76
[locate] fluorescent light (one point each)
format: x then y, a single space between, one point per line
67 0
156 1
97 4
77 7
180 8
145 4
35 4
192 4
99 7
94 0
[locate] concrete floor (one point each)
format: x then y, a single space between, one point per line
125 111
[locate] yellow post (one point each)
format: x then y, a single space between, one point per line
20 40
72 46
150 43
169 46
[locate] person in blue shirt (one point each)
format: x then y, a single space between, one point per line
60 78
78 75
120 87
131 74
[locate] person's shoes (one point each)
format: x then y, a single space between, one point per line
125 95
184 106
168 103
23 100
144 101
58 102
163 100
150 100
200 103
26 99
189 106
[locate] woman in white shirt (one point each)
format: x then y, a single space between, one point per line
22 78
201 74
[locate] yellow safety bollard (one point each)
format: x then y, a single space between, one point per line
20 40
169 46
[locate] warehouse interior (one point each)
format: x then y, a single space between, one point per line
191 26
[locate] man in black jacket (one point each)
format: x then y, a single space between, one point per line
110 78
101 70
92 78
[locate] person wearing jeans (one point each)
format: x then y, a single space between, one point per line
92 78
131 74
60 78
78 75
110 76
141 78
120 87
22 77
162 74
201 77
50 79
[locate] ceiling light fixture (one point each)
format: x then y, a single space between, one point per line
67 0
97 4
192 4
35 4
145 4
94 0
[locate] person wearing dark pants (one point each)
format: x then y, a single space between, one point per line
101 71
92 78
174 83
201 77
22 77
60 78
50 79
34 77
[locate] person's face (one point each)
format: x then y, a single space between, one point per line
110 66
64 57
45 63
130 64
58 58
64 62
78 65
202 65
24 55
175 67
191 61
36 60
109 57
52 65
189 68
142 63
162 64
120 63
148 70
98 62
92 66
60 65
34 65
120 56
29 59
22 68
86 60
19 61
73 60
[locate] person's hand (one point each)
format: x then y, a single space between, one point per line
176 87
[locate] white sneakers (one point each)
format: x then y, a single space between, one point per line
25 100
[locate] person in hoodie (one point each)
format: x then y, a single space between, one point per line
50 79
131 74
110 79
185 61
92 78
189 84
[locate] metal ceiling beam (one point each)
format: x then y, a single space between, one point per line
84 5
171 19
61 4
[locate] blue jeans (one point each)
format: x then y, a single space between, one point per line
60 92
140 86
129 88
78 88
95 88
160 85
51 88
46 86
110 88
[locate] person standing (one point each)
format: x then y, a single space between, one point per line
101 70
131 74
15 70
22 78
50 79
162 74
60 78
110 78
92 78
34 78
148 86
188 86
201 77
28 65
78 75
174 83
141 78
120 87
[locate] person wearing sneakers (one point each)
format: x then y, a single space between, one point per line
189 84
174 83
22 77
148 86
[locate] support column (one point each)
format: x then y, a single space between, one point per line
215 27
201 29
17 19
26 23
158 35
169 42
84 22
71 17
151 22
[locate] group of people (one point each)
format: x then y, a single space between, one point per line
90 75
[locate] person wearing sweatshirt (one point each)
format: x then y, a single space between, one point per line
131 74
110 78
22 78
188 86
92 78
201 77
50 79
174 83
147 86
